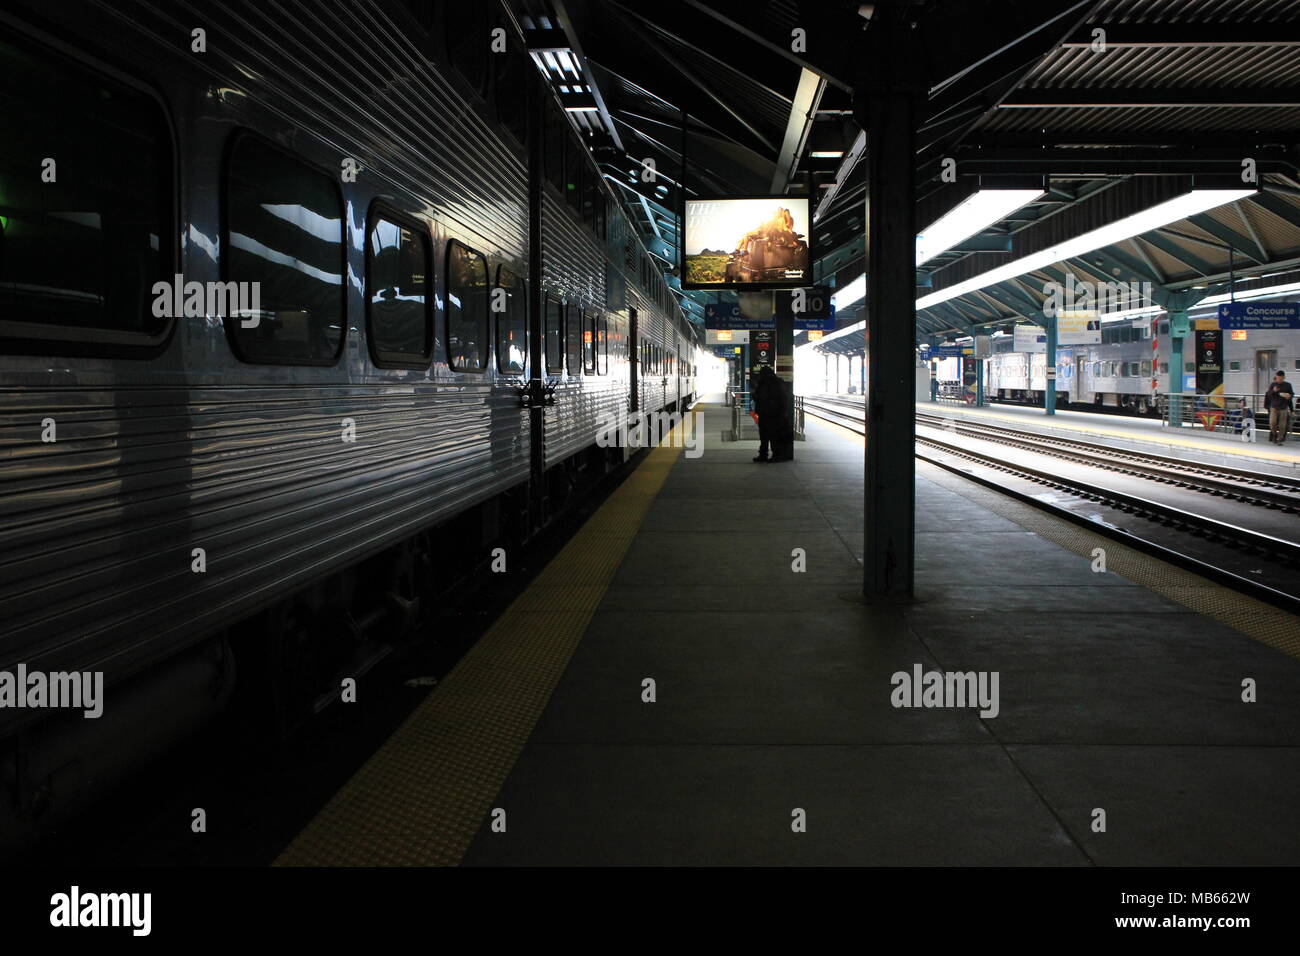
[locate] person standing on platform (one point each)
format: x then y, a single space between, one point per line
1278 400
769 403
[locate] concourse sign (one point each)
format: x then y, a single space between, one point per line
727 315
1259 315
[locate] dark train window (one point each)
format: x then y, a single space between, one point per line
598 222
86 205
512 71
588 195
512 323
284 231
602 344
553 335
589 342
554 138
399 278
573 339
575 171
467 308
468 38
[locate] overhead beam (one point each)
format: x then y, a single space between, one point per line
580 58
1102 98
822 34
1188 35
802 110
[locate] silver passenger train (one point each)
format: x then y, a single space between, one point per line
449 304
1130 370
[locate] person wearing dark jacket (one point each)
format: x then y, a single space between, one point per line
769 403
1278 400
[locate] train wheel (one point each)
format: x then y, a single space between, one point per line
1143 406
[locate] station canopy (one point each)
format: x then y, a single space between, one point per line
1149 143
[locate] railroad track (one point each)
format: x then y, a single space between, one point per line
1185 538
1269 491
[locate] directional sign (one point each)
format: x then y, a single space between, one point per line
951 351
727 315
1259 315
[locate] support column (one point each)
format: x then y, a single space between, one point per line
783 360
1178 322
1049 373
979 383
887 104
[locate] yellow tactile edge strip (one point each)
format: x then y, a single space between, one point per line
421 798
1262 622
1240 449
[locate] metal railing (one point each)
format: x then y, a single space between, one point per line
743 426
1242 416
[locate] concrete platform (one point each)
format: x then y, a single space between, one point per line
773 695
1140 434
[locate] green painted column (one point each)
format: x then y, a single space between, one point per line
1178 323
1049 381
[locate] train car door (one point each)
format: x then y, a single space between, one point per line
634 362
1077 386
1265 366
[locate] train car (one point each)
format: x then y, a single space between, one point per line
1129 371
438 303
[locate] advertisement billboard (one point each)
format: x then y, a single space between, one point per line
749 243
1078 328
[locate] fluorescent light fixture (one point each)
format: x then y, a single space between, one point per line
1249 295
826 154
581 109
850 294
1180 207
974 214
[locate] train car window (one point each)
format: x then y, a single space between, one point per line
1233 366
284 236
85 230
573 338
467 308
553 335
511 92
1191 366
602 345
589 342
399 277
512 323
589 183
468 35
554 137
575 171
1146 367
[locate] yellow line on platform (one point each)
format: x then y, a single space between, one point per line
422 797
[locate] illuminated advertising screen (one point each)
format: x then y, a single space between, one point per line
747 243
